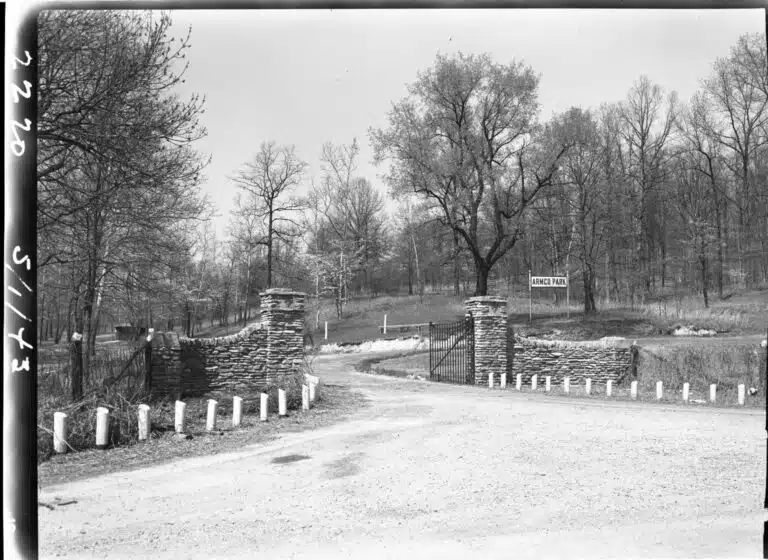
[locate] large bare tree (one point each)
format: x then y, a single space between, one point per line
466 138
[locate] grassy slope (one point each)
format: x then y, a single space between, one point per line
363 317
739 315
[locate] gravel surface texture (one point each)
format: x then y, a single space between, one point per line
439 471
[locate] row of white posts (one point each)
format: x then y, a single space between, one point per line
145 422
608 387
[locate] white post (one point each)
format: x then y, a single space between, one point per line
741 394
385 324
490 380
60 432
180 421
264 407
102 427
633 390
281 406
145 422
608 387
686 390
237 411
503 384
210 422
566 385
712 393
304 397
548 383
588 385
568 294
312 385
326 330
534 381
519 382
659 390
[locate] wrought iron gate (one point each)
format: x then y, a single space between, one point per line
452 352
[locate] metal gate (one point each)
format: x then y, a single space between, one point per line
452 352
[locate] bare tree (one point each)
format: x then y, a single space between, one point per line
647 119
466 138
269 180
582 169
736 93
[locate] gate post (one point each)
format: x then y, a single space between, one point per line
489 314
282 311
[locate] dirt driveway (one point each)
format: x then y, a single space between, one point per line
439 471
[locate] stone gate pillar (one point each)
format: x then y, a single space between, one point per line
490 318
282 314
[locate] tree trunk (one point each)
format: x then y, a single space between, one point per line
419 279
482 271
456 265
76 360
588 278
269 250
703 261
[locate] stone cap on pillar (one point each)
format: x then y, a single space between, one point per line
486 305
281 292
282 300
165 339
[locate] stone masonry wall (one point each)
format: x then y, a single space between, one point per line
574 360
490 325
253 359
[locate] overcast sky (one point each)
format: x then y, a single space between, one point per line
305 77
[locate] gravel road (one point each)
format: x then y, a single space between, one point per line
441 471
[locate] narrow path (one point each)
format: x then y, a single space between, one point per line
444 471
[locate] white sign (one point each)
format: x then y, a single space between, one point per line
549 281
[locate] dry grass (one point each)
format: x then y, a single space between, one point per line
333 403
122 400
727 366
737 314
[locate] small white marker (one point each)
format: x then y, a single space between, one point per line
566 385
210 422
237 411
534 381
659 390
102 427
712 393
264 407
588 385
60 432
633 390
519 382
609 388
180 420
548 383
686 391
741 394
145 422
